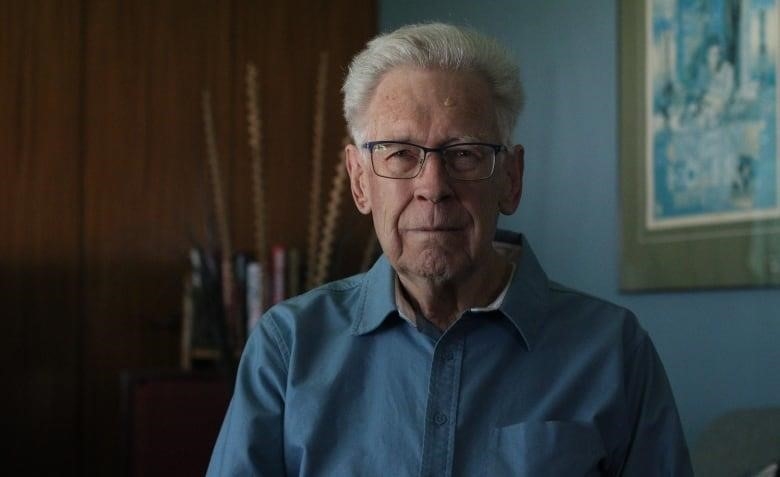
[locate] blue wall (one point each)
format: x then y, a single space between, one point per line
721 348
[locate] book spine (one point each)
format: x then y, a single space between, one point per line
254 294
279 261
279 264
240 265
293 272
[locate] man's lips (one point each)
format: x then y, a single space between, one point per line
438 228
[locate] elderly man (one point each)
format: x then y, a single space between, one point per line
454 354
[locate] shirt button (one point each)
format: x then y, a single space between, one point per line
439 418
449 356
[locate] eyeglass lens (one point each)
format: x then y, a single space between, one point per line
461 161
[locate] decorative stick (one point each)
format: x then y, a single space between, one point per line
316 170
255 134
219 201
331 218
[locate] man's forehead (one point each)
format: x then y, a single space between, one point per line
407 98
440 86
410 131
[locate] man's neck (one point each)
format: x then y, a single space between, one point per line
442 302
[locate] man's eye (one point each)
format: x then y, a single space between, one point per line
405 154
464 153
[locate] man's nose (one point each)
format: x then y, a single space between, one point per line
433 182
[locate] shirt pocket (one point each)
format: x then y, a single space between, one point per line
546 448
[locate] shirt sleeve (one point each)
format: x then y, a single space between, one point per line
657 445
250 441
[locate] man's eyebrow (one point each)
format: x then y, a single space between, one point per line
446 142
461 139
396 138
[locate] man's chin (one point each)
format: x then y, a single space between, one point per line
436 264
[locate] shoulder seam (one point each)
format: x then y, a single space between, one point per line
281 346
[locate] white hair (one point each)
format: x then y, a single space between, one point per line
433 45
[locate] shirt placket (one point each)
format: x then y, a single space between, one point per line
442 407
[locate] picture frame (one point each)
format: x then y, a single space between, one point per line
699 158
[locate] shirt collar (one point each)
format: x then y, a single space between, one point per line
377 297
406 311
527 300
524 304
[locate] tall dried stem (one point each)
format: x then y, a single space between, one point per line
316 170
220 206
255 134
332 212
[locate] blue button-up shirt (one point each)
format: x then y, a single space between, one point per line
554 382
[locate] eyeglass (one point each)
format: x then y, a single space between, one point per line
470 161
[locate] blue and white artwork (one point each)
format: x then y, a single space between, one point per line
712 112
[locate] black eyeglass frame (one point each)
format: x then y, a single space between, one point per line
497 148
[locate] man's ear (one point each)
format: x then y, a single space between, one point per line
512 187
358 178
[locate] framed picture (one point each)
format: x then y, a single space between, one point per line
699 157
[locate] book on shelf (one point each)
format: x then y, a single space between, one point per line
279 273
240 312
254 294
293 272
205 331
214 325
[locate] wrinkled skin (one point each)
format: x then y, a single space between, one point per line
435 231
